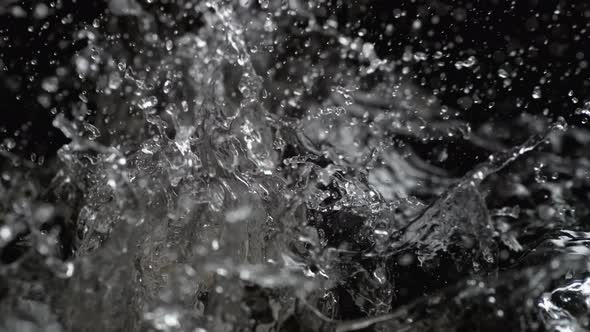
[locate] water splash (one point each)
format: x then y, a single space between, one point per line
217 180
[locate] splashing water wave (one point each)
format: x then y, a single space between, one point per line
217 180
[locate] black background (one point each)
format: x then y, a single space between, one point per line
546 42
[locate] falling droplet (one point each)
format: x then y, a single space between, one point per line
50 84
263 3
502 73
147 102
537 94
115 80
167 87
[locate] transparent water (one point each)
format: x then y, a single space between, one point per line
259 171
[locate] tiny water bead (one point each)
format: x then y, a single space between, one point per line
537 93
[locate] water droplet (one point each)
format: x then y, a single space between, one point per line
263 3
502 73
537 94
167 87
147 102
50 84
5 234
115 80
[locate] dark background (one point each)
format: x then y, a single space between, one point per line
532 38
